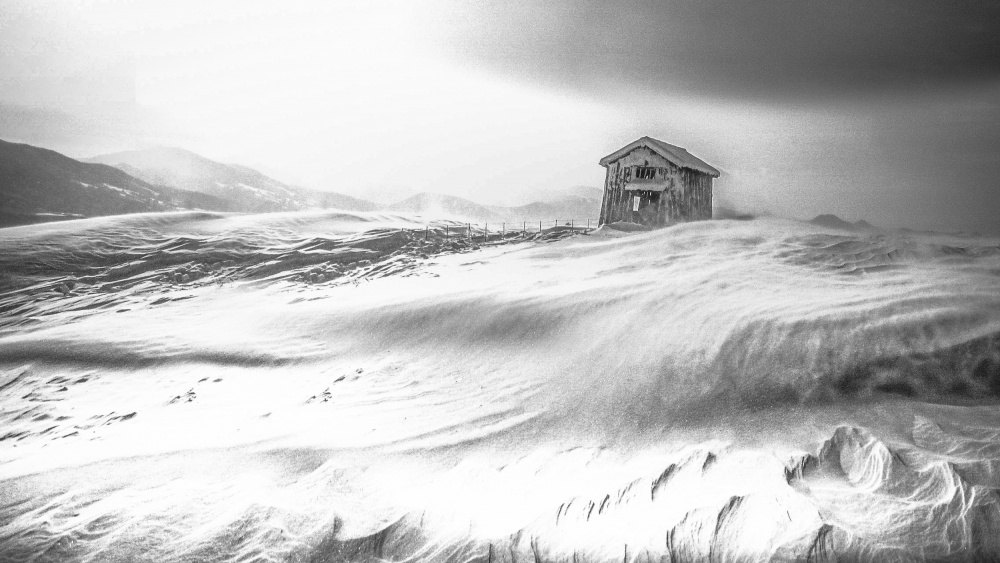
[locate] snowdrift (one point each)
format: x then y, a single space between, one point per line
752 390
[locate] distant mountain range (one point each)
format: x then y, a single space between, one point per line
38 184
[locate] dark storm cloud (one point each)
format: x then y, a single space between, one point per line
885 110
770 49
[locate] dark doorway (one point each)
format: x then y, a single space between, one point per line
643 207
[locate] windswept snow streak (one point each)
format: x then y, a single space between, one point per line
753 391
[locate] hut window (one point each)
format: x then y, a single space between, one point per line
635 203
645 172
628 173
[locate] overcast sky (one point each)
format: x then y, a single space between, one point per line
887 111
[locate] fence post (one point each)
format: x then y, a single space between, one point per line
539 227
446 232
571 224
503 231
470 231
588 224
486 234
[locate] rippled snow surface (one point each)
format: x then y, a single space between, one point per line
352 387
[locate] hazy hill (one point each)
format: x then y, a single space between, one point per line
306 197
448 206
577 208
577 203
724 212
832 221
247 189
444 206
588 192
38 184
517 197
328 200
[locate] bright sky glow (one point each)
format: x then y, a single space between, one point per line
386 99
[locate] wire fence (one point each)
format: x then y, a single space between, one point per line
485 233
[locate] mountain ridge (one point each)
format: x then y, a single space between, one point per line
41 184
250 190
172 178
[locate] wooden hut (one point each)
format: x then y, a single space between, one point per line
655 183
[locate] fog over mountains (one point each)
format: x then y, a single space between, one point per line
562 205
247 189
38 184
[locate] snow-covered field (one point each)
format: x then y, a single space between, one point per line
322 386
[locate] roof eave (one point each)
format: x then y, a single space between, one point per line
654 145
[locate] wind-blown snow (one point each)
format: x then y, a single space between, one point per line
729 390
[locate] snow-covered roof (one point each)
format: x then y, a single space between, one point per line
674 154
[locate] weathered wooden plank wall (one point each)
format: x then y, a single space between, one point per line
690 200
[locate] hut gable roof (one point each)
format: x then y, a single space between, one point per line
674 154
